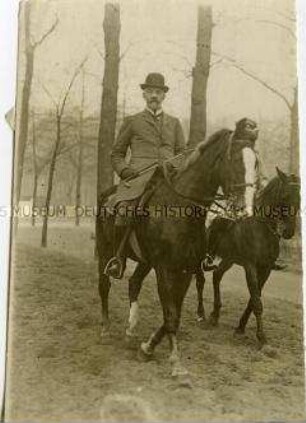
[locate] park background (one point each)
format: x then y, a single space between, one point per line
131 101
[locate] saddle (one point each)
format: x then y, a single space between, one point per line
126 213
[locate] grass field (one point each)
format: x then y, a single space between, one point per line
59 370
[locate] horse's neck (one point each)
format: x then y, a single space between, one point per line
196 181
266 203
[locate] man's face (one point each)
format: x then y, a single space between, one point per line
247 129
154 97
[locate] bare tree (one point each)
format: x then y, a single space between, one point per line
200 74
30 47
36 170
292 107
39 163
111 26
286 24
60 109
80 153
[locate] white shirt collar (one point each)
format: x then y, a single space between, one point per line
157 113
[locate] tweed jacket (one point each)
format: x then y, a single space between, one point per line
150 140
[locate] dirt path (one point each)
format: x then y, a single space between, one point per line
59 370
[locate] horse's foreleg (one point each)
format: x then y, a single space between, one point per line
135 284
172 288
244 318
262 275
200 281
255 301
104 287
147 348
217 277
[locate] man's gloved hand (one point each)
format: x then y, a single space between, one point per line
171 169
128 173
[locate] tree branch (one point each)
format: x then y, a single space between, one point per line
48 93
216 62
280 25
255 78
99 52
46 35
46 160
130 45
93 75
77 71
290 18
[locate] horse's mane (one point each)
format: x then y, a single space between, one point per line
218 141
268 192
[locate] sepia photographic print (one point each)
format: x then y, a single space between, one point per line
156 242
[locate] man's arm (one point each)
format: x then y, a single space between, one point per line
120 147
180 144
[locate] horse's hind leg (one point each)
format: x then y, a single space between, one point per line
104 287
135 284
200 281
262 275
217 277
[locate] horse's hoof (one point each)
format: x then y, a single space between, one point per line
143 353
182 379
238 331
262 340
213 321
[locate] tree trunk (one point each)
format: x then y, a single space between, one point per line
22 129
111 26
200 74
35 169
50 182
34 198
80 157
294 135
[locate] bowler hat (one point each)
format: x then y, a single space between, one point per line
155 80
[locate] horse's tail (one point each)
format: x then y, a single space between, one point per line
216 231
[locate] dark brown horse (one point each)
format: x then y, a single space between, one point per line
253 243
175 246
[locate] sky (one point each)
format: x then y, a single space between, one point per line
160 36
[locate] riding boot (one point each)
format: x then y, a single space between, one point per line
117 264
210 263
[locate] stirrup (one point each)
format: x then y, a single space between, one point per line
115 268
207 264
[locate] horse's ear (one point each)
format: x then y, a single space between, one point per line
283 177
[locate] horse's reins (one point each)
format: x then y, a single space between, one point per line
155 165
202 202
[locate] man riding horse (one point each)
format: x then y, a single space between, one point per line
153 138
174 246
